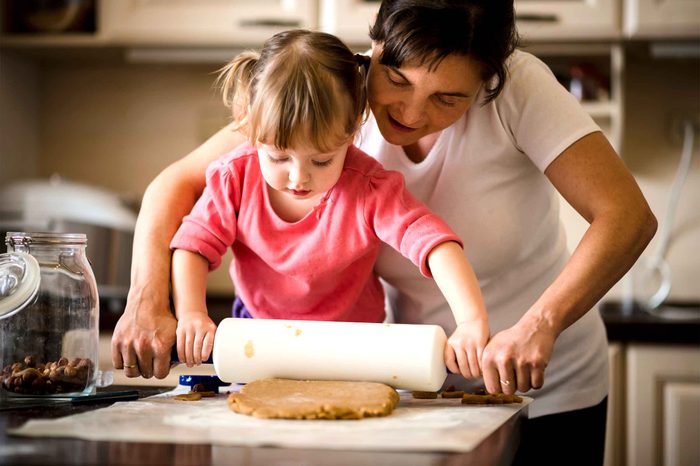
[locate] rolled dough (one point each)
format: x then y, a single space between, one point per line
312 399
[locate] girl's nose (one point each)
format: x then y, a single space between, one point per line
298 175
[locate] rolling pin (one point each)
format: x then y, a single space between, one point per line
409 357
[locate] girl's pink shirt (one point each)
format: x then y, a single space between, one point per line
321 267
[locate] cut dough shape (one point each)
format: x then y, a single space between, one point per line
313 399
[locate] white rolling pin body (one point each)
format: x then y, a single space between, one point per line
409 357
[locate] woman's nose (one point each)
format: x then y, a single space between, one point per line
412 111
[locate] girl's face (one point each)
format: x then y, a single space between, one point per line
301 173
412 101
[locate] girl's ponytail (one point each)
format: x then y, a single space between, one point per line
235 80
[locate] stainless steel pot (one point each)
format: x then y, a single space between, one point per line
58 206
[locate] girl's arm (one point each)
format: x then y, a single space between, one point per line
457 281
146 331
593 179
195 330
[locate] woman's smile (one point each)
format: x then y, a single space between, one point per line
399 126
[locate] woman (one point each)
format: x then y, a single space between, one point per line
484 135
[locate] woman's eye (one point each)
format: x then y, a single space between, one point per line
325 163
446 102
396 81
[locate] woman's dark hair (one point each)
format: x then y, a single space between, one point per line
426 31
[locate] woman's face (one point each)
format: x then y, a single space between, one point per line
412 102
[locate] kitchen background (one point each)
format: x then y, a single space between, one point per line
107 93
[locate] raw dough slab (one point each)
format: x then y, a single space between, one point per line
307 399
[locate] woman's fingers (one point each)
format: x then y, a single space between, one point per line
523 377
491 380
145 361
506 376
537 377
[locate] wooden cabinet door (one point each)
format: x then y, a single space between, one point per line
662 18
230 23
663 399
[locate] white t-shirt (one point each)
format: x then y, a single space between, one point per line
484 176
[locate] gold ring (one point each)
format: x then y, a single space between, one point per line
130 366
504 382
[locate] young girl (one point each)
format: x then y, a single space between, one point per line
305 211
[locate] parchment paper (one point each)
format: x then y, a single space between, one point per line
415 425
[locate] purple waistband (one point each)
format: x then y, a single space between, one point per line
239 309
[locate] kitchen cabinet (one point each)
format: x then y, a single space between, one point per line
593 73
661 19
537 19
572 19
203 22
663 405
654 391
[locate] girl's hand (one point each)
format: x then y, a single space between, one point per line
516 358
195 337
465 346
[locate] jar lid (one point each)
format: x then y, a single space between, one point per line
20 277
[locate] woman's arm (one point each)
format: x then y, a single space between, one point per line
593 179
145 333
458 284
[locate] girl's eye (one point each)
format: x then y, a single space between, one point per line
325 163
276 160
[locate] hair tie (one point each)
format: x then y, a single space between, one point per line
362 60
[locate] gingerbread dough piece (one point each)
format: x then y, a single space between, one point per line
308 399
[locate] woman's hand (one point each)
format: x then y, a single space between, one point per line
195 337
144 336
515 359
465 346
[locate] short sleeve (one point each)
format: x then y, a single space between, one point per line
403 222
210 228
542 117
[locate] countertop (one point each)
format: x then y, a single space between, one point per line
497 449
671 324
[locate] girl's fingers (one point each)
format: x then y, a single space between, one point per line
473 360
180 343
189 344
463 363
450 361
208 345
197 347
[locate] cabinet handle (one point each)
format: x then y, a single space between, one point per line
537 18
270 23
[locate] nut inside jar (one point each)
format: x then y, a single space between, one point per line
29 377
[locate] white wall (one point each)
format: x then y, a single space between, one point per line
656 91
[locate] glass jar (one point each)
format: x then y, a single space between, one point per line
48 326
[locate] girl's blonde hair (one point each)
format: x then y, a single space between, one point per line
304 88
